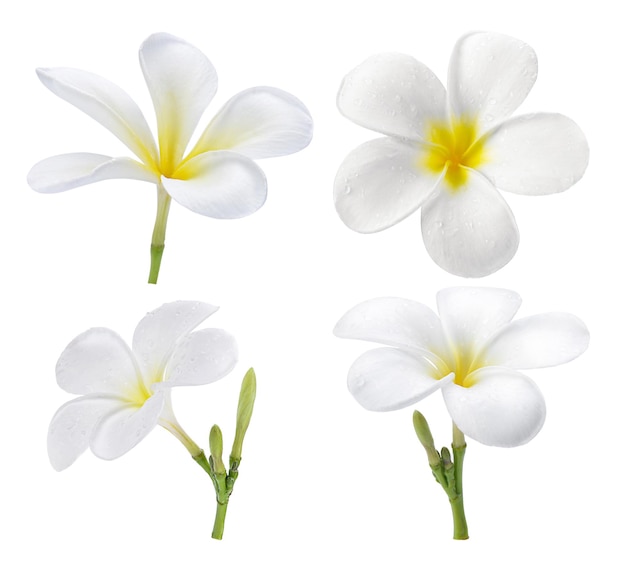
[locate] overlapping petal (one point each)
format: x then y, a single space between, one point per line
221 184
106 103
386 379
381 183
536 154
67 171
261 122
503 408
489 76
470 231
393 94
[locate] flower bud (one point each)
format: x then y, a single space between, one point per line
426 438
247 396
216 445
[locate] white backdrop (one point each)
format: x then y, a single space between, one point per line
325 486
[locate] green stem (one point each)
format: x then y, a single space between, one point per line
458 511
220 517
158 234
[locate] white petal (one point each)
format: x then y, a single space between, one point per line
223 185
202 357
67 171
489 76
158 332
471 316
380 183
118 432
541 340
182 82
536 154
98 360
260 122
393 94
470 231
106 103
397 322
386 379
503 408
72 424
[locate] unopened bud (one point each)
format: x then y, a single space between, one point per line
247 396
216 445
425 437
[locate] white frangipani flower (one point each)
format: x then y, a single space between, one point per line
217 177
125 393
450 152
472 352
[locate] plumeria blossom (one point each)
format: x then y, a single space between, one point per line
217 177
125 393
449 152
472 351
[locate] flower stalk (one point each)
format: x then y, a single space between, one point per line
158 233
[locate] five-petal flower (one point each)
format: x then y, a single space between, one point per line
125 393
450 152
217 177
472 352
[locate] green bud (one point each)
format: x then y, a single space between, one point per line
426 438
244 412
216 445
446 459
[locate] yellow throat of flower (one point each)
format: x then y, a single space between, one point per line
454 147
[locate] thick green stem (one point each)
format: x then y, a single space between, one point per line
458 511
158 234
220 517
458 516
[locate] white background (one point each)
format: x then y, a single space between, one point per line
325 486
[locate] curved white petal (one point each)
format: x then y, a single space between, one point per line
386 379
223 185
106 103
67 171
393 94
119 431
98 360
536 154
397 322
380 183
202 357
489 76
541 340
470 231
260 122
71 427
182 82
158 332
470 316
503 408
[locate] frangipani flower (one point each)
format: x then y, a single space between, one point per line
216 177
450 152
125 393
472 352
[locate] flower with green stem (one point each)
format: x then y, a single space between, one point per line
217 177
125 393
472 352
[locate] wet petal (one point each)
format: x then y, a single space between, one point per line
386 379
469 231
380 183
182 82
67 171
393 94
158 332
202 357
119 431
536 154
489 76
503 408
223 185
98 360
106 103
260 122
71 427
541 340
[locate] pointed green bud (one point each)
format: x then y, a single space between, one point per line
446 459
216 445
247 396
426 438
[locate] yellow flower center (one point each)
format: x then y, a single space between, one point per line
464 364
454 147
